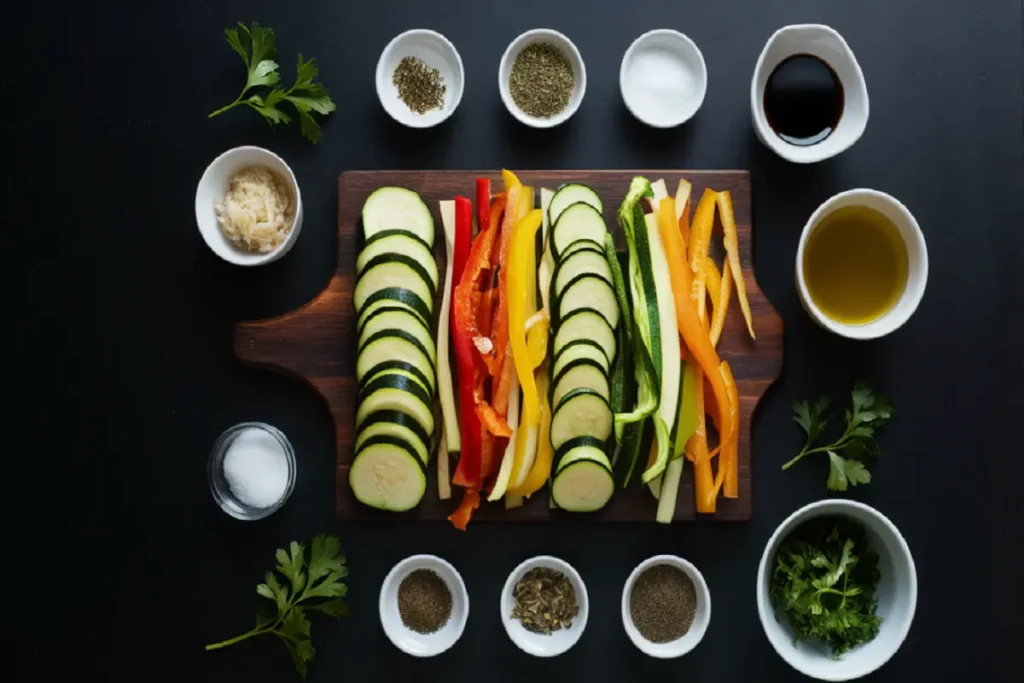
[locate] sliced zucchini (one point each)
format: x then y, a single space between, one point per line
396 208
581 412
581 374
590 292
391 392
570 194
583 485
397 319
392 349
577 350
385 272
399 442
580 221
396 425
388 477
585 324
394 296
400 372
581 262
582 445
398 242
578 245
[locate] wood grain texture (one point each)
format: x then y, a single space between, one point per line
316 343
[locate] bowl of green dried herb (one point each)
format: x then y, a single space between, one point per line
544 606
423 605
420 78
666 606
836 590
541 78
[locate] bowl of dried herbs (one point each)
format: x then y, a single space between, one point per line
541 78
666 606
544 606
423 605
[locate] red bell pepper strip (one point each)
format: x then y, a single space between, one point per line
483 204
460 253
470 502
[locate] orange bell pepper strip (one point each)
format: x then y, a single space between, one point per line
700 240
491 421
470 501
697 453
499 326
713 280
721 304
732 250
729 462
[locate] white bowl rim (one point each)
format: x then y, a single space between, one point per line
400 567
916 282
765 611
579 624
659 650
702 75
286 244
456 97
574 101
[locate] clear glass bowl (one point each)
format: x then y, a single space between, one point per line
219 487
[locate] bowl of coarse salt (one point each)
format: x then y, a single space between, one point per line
251 470
663 78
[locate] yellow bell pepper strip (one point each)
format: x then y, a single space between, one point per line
540 471
721 304
700 239
522 269
683 208
689 409
712 280
732 250
537 330
706 495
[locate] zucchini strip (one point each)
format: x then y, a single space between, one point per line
445 384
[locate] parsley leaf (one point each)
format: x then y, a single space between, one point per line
308 580
256 46
824 579
847 454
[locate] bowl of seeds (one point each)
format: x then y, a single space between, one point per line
666 606
419 78
423 605
544 606
541 78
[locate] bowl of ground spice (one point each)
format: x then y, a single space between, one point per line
666 606
541 78
544 606
423 605
419 78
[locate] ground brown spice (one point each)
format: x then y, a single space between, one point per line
663 603
424 601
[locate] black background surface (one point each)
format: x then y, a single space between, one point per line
121 372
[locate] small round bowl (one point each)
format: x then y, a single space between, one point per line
214 185
539 644
896 595
663 104
579 72
701 618
435 51
219 487
404 638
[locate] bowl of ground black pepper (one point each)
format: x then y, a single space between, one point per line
541 78
666 606
544 606
423 605
419 78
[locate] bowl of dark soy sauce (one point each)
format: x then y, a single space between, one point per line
808 98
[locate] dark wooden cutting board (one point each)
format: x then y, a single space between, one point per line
316 343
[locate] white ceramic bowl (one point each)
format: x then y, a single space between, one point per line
655 102
539 644
214 185
404 638
579 72
896 595
435 51
917 264
701 618
826 44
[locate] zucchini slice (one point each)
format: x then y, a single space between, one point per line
396 208
590 292
584 484
388 477
578 350
585 324
394 392
580 221
397 297
578 245
391 350
581 262
400 242
569 194
395 425
581 374
385 272
581 412
398 442
580 444
397 319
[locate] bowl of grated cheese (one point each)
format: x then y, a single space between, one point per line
248 206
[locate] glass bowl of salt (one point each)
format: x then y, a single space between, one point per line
251 470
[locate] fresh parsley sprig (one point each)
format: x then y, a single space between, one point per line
310 585
255 45
847 454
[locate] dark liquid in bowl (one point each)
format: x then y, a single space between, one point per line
803 100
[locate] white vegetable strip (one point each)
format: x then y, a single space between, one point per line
444 486
682 197
445 386
547 261
505 473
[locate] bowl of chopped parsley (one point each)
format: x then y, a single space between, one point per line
836 590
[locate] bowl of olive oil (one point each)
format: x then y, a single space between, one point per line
862 264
